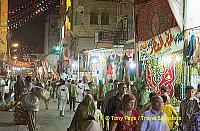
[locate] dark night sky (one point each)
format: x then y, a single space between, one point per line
32 33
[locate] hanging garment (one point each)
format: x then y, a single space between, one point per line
190 48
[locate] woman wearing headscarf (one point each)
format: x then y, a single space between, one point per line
85 108
100 95
91 125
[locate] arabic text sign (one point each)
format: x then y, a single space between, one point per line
168 42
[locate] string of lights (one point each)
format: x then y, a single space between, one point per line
29 17
24 6
25 15
27 10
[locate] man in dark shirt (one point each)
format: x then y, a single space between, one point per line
188 107
195 118
114 104
110 93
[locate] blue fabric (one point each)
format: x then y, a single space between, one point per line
190 48
156 124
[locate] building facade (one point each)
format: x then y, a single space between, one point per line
3 29
91 17
54 35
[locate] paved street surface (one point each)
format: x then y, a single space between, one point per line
47 120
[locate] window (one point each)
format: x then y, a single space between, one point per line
130 27
79 15
104 19
94 19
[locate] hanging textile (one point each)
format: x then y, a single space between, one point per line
191 46
153 18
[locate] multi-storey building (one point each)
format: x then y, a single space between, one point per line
91 17
87 25
52 29
56 34
3 29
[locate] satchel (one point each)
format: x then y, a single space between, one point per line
30 102
41 93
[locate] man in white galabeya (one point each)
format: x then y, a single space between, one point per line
63 95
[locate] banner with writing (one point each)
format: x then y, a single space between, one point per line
168 42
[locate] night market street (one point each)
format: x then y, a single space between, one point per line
47 120
99 65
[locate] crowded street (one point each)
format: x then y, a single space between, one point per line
99 65
67 105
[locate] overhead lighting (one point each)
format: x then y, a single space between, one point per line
94 60
132 65
14 57
118 46
14 50
15 45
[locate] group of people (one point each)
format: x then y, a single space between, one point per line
115 106
25 92
120 109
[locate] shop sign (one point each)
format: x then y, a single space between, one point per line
23 64
166 43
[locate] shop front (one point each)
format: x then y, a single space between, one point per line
101 64
161 61
130 65
192 57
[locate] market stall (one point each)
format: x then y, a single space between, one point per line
101 64
161 59
192 57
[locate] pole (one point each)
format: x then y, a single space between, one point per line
78 72
9 58
8 46
184 66
135 46
78 66
9 54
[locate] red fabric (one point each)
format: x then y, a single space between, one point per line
167 78
125 124
153 18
